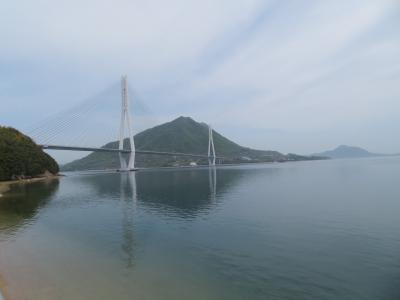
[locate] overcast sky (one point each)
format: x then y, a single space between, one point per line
293 76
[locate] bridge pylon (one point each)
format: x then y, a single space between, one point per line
126 121
211 148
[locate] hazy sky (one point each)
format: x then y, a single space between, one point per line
293 76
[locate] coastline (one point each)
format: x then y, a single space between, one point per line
5 186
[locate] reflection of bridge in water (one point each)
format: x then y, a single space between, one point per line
129 199
128 202
152 197
125 127
138 201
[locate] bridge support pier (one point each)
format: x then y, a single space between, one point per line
126 120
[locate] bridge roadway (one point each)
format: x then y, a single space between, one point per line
91 149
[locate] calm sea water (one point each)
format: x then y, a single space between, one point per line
307 230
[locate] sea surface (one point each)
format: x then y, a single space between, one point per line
301 230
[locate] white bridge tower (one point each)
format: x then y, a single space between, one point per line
126 120
211 148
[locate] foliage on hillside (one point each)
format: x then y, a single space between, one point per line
184 135
180 135
20 157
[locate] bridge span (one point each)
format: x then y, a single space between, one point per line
128 163
91 149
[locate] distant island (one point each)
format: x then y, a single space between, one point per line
344 151
21 158
183 135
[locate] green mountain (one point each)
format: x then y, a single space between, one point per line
20 157
180 135
344 151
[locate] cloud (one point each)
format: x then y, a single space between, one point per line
146 35
299 67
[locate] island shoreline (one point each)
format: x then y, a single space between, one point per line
6 186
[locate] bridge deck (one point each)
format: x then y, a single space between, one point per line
91 149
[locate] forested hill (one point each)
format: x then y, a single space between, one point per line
20 157
345 151
180 135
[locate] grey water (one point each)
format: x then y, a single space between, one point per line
304 230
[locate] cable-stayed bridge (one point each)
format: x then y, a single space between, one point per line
45 135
